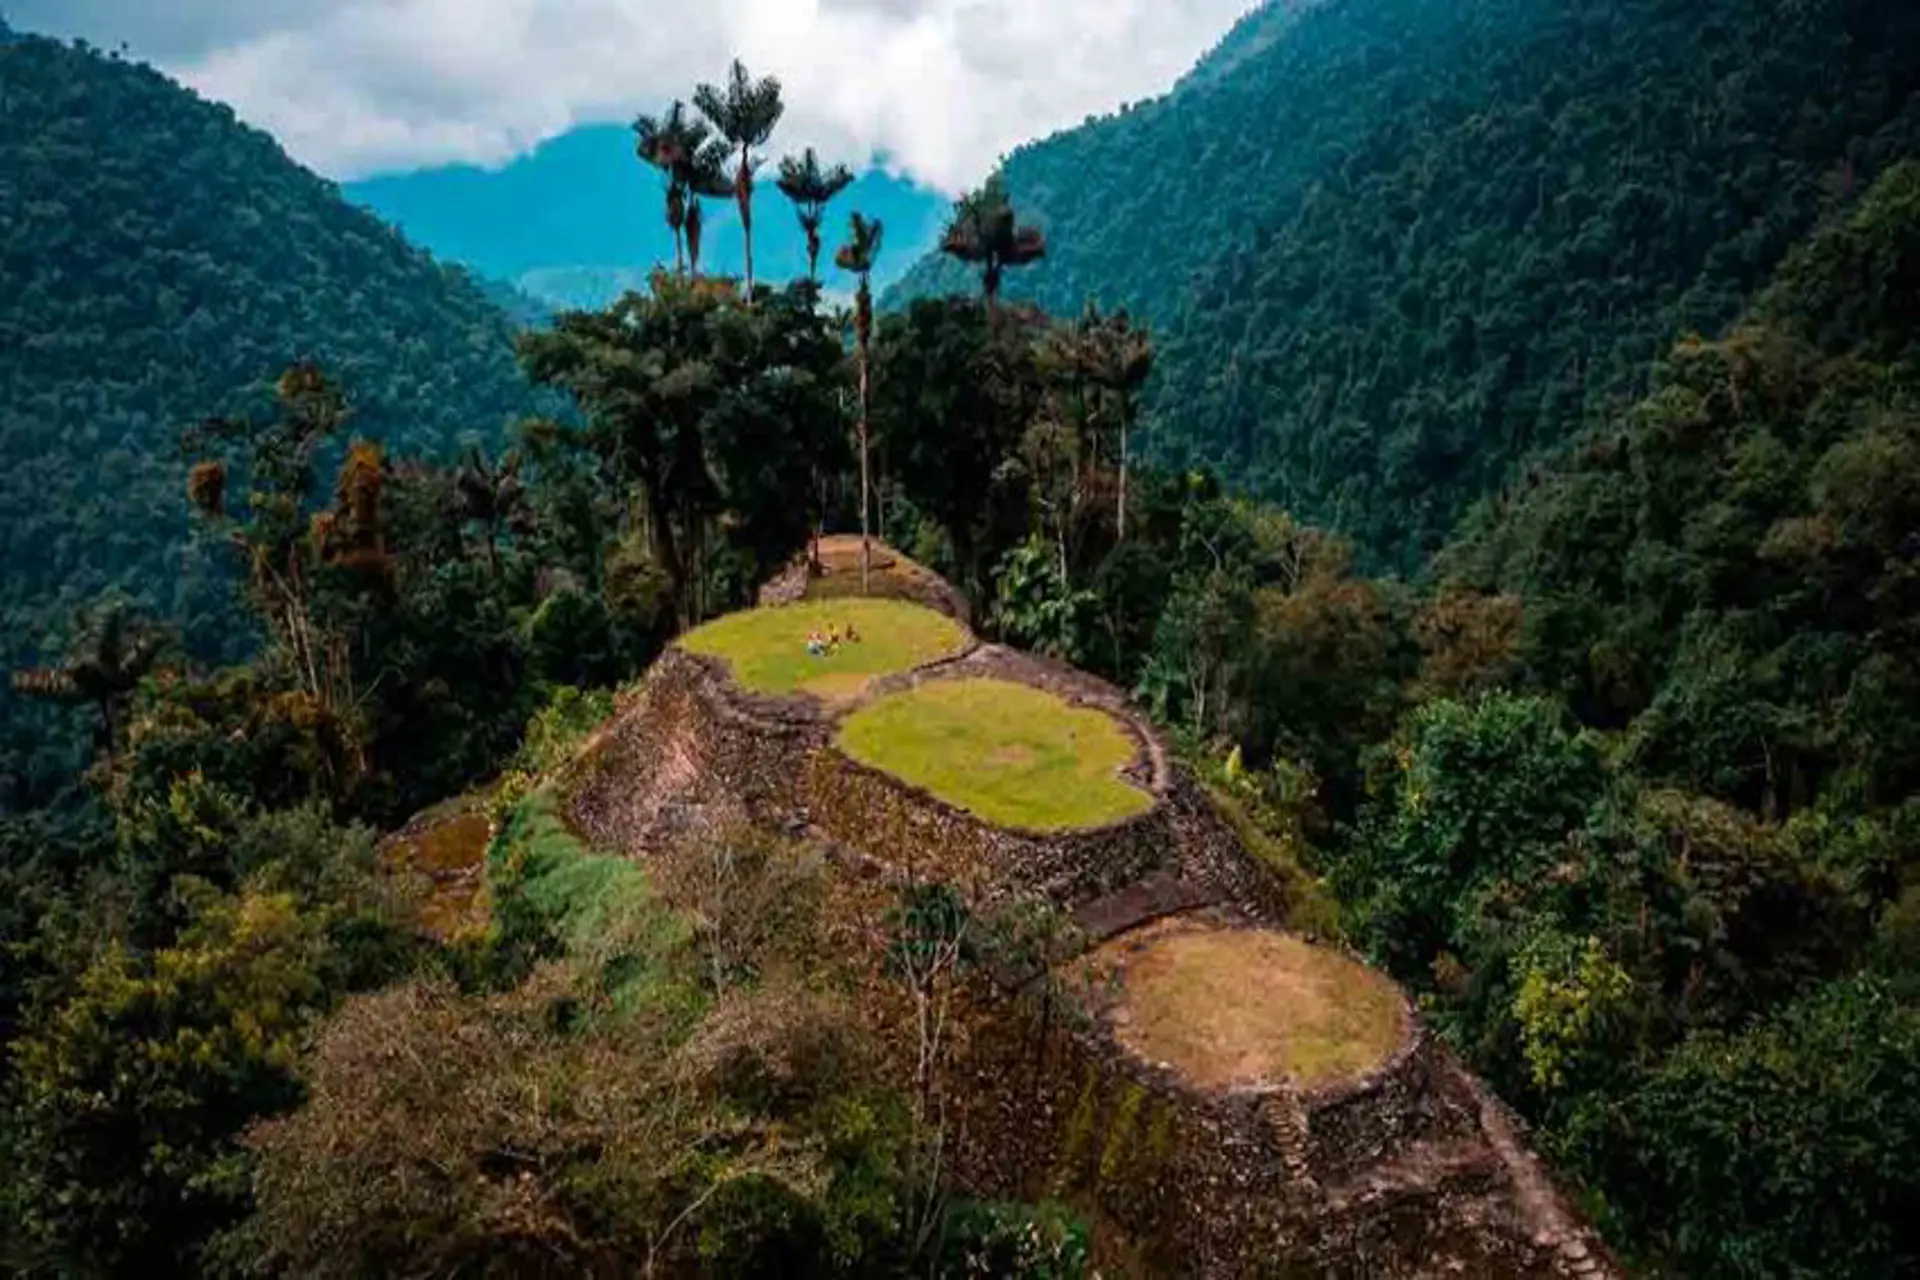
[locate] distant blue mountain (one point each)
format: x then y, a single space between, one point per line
578 220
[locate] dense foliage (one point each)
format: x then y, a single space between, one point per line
1394 248
1625 796
160 263
1624 790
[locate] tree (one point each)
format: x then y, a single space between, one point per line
1122 359
952 394
135 1089
309 573
492 496
707 417
857 256
744 111
705 178
811 189
670 143
985 233
113 649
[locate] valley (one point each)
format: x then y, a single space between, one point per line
1317 677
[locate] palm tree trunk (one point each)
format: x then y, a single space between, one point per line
1126 423
743 191
866 500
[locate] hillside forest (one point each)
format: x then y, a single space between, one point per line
1619 781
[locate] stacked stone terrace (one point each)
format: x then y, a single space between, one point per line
1227 1098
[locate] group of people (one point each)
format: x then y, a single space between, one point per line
823 644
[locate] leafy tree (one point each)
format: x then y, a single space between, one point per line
702 408
812 188
744 111
129 1095
1473 797
857 256
952 394
1783 1149
493 497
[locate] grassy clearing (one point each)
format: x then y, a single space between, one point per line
1013 755
766 649
1240 1007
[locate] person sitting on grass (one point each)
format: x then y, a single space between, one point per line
833 639
852 636
816 644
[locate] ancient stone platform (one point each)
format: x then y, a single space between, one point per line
1282 1129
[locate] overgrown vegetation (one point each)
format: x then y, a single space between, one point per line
1622 790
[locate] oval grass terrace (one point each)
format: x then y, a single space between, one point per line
1010 754
772 651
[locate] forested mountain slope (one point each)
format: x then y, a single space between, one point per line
1402 245
1729 570
160 262
1721 582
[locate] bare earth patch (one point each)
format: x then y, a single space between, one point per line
1239 1007
450 851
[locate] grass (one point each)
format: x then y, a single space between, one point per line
1240 1007
1008 753
766 649
554 896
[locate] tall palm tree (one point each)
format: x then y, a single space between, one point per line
670 143
113 650
857 255
812 189
1122 361
744 111
985 233
704 178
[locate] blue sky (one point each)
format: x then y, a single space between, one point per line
941 88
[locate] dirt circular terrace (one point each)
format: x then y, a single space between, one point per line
1230 1008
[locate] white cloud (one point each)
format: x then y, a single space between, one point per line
939 87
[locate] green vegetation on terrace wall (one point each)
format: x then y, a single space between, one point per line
159 263
1405 245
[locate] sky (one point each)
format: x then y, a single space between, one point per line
937 89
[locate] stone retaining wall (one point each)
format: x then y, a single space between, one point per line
1389 1175
900 824
1200 1180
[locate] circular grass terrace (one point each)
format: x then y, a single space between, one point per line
766 649
1010 754
1235 1008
